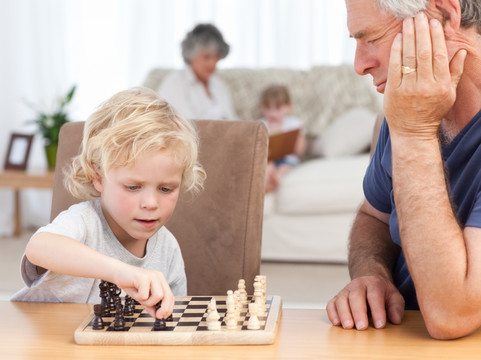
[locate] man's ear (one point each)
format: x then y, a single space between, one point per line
97 182
448 12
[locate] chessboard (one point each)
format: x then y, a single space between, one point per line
187 326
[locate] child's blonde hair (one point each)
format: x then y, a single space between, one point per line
276 95
127 125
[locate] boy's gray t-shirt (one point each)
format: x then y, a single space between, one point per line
86 223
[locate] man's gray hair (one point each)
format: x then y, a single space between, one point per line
203 37
470 10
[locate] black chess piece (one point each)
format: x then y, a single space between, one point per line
159 324
97 322
104 295
111 297
128 306
119 321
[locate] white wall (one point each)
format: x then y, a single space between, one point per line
105 46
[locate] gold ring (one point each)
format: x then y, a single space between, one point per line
407 69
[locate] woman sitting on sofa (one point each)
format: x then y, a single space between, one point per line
196 91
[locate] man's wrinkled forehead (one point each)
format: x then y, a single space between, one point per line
365 18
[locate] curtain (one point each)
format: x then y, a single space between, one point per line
105 46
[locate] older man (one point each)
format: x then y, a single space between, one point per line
416 241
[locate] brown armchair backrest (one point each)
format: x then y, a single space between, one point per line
220 230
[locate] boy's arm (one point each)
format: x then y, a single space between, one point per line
67 256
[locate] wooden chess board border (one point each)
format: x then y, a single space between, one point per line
86 336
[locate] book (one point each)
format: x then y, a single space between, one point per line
282 144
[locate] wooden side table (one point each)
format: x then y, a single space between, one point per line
18 180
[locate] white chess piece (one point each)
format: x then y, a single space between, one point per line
230 298
238 305
213 316
263 280
258 298
230 318
242 291
253 323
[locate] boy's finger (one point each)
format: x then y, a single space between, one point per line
166 307
151 310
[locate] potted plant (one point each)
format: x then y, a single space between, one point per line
49 125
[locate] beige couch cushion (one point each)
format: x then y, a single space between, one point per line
348 134
323 186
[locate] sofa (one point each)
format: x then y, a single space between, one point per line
309 217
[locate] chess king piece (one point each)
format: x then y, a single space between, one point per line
258 297
253 323
213 316
97 322
104 296
111 296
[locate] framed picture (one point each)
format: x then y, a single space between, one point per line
18 152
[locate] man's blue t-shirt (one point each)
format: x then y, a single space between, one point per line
462 161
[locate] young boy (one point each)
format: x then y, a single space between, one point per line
137 155
276 108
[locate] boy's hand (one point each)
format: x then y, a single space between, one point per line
149 287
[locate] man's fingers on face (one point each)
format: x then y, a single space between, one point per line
408 44
423 49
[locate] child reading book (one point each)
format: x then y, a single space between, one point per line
276 108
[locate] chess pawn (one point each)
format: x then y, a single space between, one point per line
213 316
119 321
253 323
97 323
230 321
128 306
159 324
230 298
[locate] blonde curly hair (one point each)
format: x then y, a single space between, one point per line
127 125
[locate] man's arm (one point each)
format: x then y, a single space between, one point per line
372 254
443 259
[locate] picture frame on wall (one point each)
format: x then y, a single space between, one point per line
18 152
